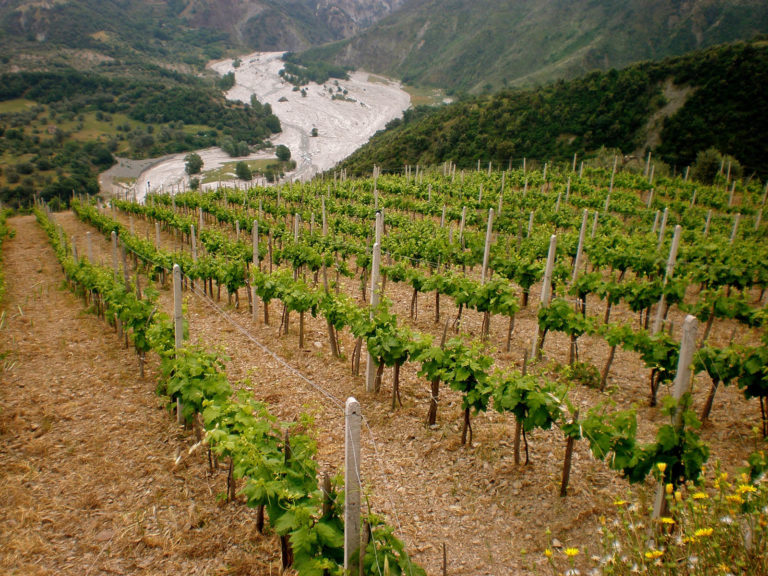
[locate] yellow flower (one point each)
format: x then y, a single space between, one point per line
548 553
700 496
744 488
669 488
735 498
619 502
661 466
703 532
678 496
653 554
666 520
571 552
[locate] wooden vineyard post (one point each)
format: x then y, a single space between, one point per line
325 219
580 249
595 220
610 187
707 223
193 241
656 222
352 425
681 386
663 228
256 266
124 258
546 291
73 243
442 218
650 199
89 247
735 229
568 459
661 312
530 224
157 235
371 366
759 216
115 268
487 252
178 327
463 220
200 219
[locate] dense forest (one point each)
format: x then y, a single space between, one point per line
725 109
59 129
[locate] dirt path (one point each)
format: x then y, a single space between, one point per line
87 454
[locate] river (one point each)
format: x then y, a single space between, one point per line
362 105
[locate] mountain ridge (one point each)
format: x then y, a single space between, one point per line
483 45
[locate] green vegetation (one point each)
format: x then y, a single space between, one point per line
300 71
242 171
603 109
58 129
193 164
114 36
283 153
4 231
479 46
269 168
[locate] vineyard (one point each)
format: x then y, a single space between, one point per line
513 337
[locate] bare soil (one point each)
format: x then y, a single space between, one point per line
88 455
490 513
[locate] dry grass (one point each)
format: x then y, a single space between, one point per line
474 499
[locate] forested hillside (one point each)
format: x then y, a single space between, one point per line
724 108
180 34
58 129
484 45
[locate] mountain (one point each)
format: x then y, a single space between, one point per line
183 34
270 25
482 45
676 108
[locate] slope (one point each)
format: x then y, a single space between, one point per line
480 45
724 108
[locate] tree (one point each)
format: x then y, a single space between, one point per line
243 171
194 183
193 163
283 153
